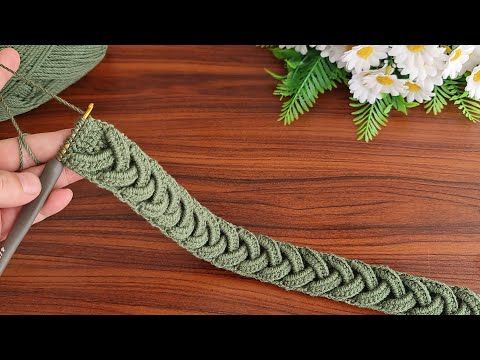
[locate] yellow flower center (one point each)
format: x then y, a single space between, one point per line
415 48
456 54
476 76
412 87
384 80
365 52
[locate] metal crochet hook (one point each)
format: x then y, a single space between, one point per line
29 212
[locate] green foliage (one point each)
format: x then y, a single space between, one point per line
442 94
469 107
306 77
309 75
401 104
369 118
454 90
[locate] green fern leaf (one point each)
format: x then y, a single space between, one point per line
303 83
275 75
289 55
439 100
399 103
469 107
370 118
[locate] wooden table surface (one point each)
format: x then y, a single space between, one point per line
410 199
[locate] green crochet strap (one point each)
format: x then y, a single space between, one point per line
109 159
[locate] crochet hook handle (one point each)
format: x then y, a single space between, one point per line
29 212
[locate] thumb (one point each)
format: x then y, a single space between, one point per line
18 188
11 59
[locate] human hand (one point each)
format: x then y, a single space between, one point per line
20 188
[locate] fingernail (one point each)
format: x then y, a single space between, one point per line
30 183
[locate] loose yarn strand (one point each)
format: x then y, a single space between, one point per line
22 143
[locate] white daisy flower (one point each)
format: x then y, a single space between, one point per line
473 83
358 88
457 58
473 60
335 53
419 61
385 82
362 57
370 85
302 49
414 91
319 47
431 81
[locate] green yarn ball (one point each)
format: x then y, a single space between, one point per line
55 67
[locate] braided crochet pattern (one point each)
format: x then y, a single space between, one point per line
105 156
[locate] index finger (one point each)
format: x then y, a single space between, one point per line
11 59
44 145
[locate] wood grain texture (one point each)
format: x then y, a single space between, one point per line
410 199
